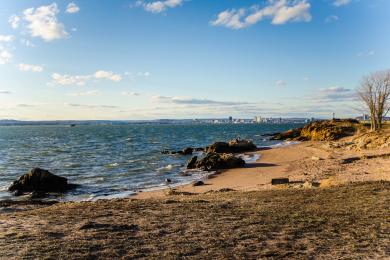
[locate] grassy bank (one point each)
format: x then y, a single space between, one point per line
344 222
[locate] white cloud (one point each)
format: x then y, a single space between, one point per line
280 83
331 18
341 2
85 93
81 80
5 57
6 38
30 67
14 21
280 12
72 8
334 94
5 92
127 93
158 6
64 80
42 22
101 74
192 101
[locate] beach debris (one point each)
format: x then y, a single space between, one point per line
316 158
234 146
349 160
40 181
215 161
198 183
278 181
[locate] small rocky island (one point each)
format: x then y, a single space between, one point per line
38 182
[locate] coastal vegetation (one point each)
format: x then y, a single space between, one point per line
374 91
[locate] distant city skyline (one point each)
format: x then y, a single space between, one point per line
135 60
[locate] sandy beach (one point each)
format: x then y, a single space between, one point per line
304 164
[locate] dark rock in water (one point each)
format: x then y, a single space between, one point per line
288 135
215 161
37 194
280 181
17 193
41 181
188 151
198 183
192 163
218 147
200 149
168 181
234 146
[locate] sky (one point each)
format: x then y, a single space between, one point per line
130 60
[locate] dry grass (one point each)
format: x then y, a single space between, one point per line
339 222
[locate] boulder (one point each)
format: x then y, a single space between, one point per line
288 135
233 146
187 151
39 180
215 161
191 164
218 147
198 183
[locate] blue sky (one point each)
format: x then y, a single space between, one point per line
188 58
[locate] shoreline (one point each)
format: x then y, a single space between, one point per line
271 163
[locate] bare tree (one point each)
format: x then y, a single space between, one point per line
374 91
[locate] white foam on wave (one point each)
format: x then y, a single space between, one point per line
285 143
249 158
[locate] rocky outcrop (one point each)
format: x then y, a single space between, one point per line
291 134
327 130
234 146
215 161
38 181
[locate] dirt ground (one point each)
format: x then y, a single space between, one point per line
339 222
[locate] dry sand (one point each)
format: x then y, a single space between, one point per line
304 164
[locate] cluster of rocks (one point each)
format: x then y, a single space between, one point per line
38 182
185 151
327 130
220 155
215 161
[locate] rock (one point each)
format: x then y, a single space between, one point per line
278 181
316 158
192 163
188 151
288 135
233 146
17 193
168 181
218 147
198 183
41 181
349 160
215 161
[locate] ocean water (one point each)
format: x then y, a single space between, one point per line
114 161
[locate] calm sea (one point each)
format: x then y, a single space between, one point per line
114 161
